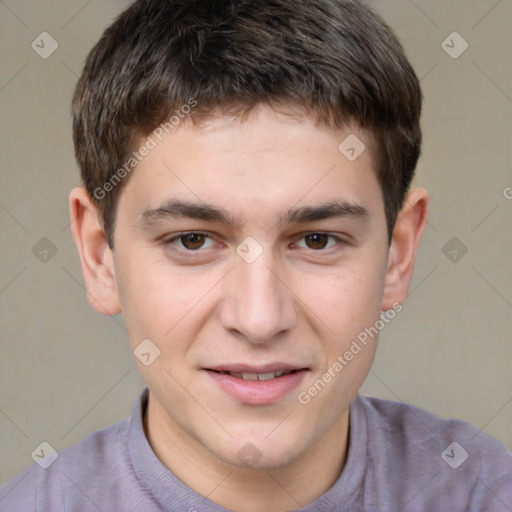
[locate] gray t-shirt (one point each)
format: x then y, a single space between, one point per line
400 458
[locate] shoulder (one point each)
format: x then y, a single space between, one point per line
411 449
43 485
401 422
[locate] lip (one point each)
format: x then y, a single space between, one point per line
264 368
256 392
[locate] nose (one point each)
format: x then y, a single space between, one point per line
258 305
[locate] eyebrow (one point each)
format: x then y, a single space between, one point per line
333 209
183 209
173 208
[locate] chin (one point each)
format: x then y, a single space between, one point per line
259 453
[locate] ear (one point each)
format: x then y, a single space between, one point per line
95 255
408 229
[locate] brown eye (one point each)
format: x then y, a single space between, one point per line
316 240
192 241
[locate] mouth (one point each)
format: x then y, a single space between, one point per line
256 376
252 385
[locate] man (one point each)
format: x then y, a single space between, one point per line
246 205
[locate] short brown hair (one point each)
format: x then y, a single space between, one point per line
335 58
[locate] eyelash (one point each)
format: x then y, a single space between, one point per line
174 238
189 252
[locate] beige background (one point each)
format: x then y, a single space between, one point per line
66 371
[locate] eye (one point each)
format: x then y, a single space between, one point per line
192 241
318 241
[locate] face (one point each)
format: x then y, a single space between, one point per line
252 253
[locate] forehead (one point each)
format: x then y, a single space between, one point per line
264 163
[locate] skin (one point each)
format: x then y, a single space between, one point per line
297 302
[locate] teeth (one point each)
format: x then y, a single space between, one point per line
267 376
259 376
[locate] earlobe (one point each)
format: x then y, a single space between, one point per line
95 255
407 233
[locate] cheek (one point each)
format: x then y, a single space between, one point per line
348 305
345 301
158 302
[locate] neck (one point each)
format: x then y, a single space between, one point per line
288 487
